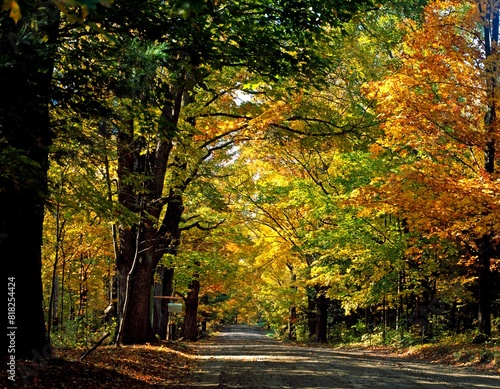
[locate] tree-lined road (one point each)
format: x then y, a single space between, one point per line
244 357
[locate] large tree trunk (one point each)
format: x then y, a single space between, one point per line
137 262
24 140
135 325
21 221
190 331
142 245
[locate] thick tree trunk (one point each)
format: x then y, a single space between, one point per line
24 140
135 325
151 236
190 331
21 221
162 288
123 266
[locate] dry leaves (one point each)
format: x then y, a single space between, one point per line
163 365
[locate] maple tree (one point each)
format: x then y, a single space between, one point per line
364 262
438 114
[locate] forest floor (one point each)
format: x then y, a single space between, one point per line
244 357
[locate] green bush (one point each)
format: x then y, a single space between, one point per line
79 333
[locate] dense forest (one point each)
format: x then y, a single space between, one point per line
325 168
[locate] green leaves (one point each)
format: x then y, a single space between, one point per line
188 8
19 171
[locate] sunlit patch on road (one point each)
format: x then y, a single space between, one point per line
244 357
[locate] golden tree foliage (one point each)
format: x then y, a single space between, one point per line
433 110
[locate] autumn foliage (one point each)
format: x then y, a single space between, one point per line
334 181
432 111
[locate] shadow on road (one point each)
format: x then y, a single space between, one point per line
244 357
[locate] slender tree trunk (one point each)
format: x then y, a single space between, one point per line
311 313
490 15
54 291
162 288
292 312
485 286
292 318
322 318
384 320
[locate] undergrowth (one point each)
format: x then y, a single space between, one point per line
78 334
466 349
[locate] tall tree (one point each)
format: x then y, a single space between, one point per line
490 16
272 39
25 136
442 128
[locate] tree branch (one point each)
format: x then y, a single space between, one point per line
200 227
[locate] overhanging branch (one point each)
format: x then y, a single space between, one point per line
200 227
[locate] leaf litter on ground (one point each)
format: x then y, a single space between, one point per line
171 364
162 365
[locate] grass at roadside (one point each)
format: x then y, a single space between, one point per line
458 350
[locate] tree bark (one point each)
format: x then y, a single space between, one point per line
190 331
491 22
485 286
292 318
162 288
25 137
149 238
311 313
136 322
322 318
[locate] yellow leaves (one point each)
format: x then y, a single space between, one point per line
213 128
437 95
273 115
231 246
15 10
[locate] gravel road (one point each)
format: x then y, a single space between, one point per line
244 357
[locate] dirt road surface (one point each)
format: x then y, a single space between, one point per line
244 357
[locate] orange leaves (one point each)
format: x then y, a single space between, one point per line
272 115
15 10
433 113
162 365
437 96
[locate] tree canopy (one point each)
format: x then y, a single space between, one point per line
325 167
